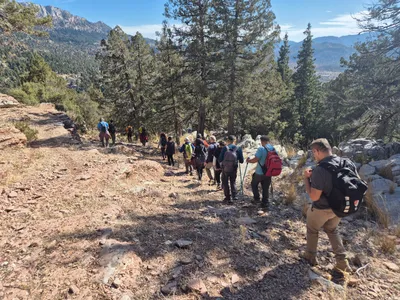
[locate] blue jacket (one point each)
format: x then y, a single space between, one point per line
239 153
101 124
210 152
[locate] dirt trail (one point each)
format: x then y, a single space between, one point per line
79 222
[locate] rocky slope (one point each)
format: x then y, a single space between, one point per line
81 222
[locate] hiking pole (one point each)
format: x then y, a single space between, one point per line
241 180
244 177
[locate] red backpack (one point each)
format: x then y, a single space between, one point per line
273 164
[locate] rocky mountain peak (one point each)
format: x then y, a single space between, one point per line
63 19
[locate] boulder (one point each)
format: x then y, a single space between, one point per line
395 164
390 203
281 151
7 101
397 179
11 137
381 185
247 142
392 149
367 170
374 150
379 164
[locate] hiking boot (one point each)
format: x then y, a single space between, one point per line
255 201
227 201
342 265
264 205
235 198
311 258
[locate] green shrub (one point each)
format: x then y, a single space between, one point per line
23 97
23 126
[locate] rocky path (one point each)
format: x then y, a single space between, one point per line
78 222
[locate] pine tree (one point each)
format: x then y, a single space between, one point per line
283 62
170 101
117 77
289 117
17 17
246 34
195 38
307 92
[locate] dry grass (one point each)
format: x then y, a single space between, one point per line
381 215
302 161
291 194
291 151
23 126
387 244
396 231
386 172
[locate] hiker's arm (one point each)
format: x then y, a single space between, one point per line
252 160
221 156
255 159
240 156
314 194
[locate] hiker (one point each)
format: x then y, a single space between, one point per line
217 166
163 144
259 174
102 126
170 151
199 136
200 153
187 150
143 135
112 131
318 184
210 157
129 133
229 158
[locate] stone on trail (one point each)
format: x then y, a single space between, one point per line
360 260
391 266
197 285
315 278
181 243
83 177
235 278
246 221
13 194
173 195
73 289
170 288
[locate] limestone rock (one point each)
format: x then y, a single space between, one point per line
381 185
367 170
11 137
391 266
170 288
197 285
246 221
181 243
7 101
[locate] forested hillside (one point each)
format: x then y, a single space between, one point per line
221 70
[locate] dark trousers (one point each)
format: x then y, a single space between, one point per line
163 152
113 137
171 160
218 176
265 184
129 137
200 172
229 179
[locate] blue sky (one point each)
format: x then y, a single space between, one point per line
327 17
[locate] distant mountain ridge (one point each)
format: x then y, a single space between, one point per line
74 37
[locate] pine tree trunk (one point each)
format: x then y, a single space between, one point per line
202 118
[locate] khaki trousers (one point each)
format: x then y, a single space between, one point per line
326 219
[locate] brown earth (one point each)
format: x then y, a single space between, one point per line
81 222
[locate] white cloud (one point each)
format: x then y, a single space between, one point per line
328 11
148 31
338 26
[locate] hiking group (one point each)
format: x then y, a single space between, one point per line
333 186
108 130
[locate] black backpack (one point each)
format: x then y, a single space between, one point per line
348 189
